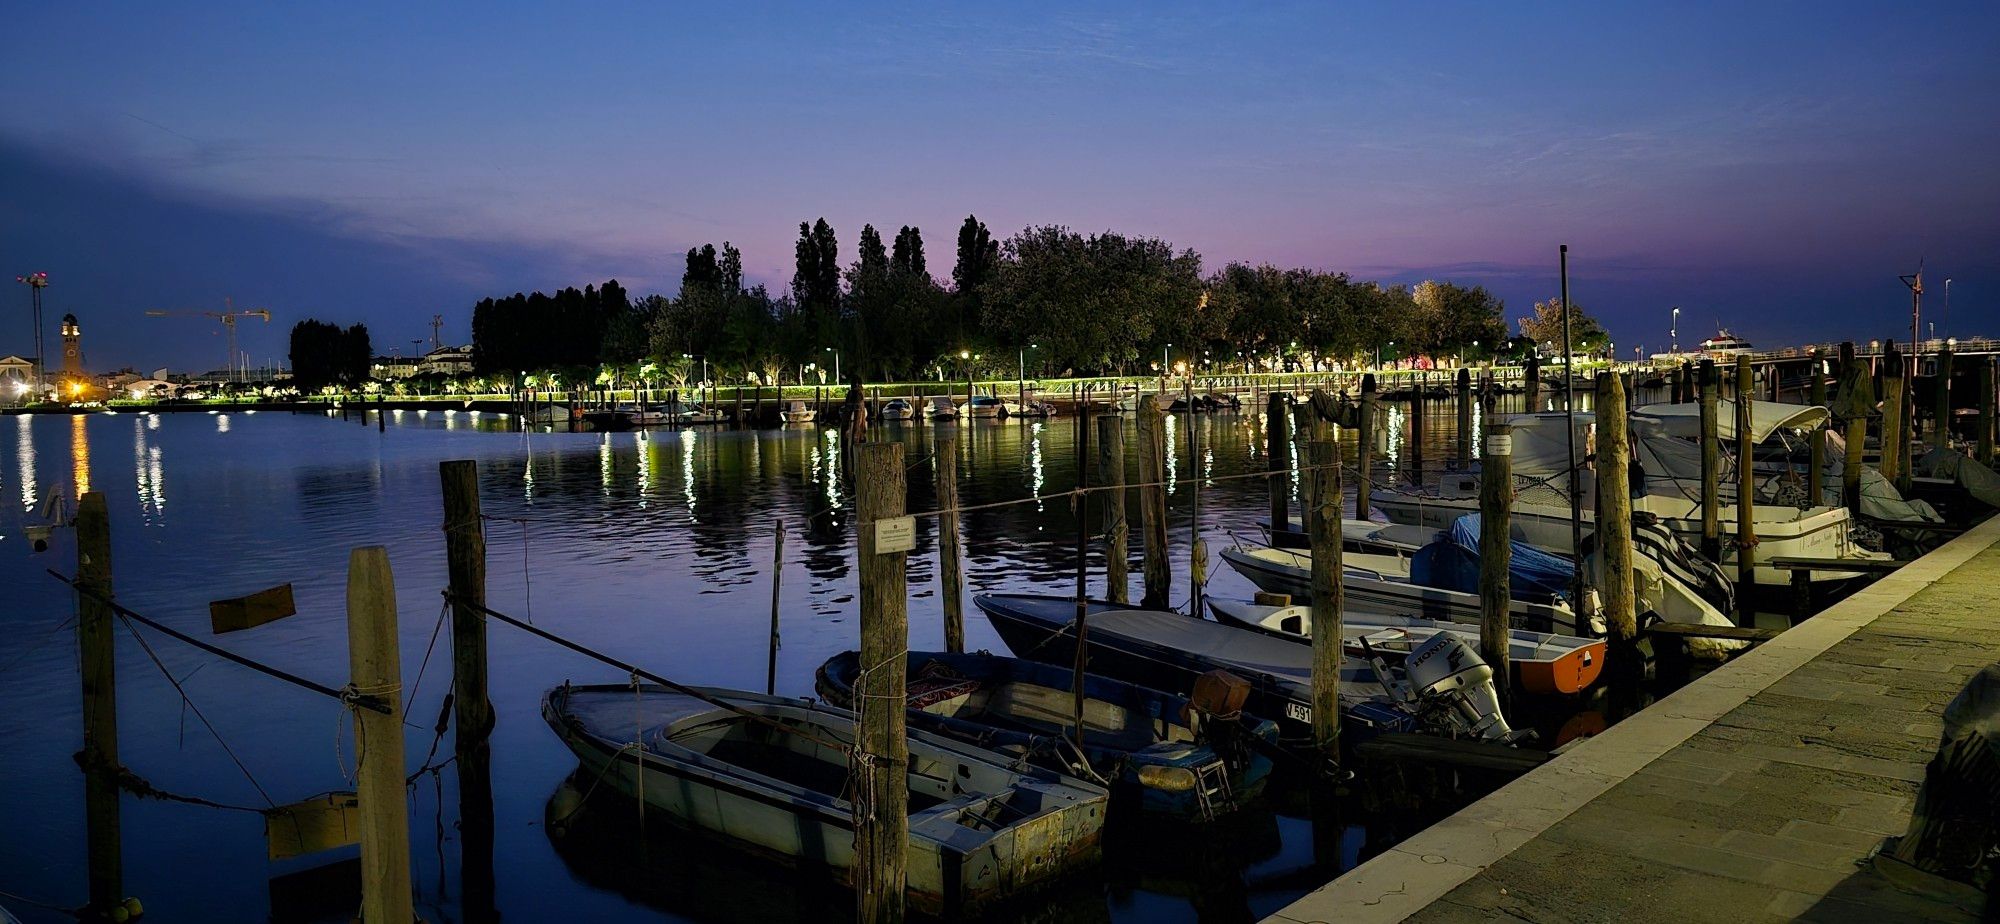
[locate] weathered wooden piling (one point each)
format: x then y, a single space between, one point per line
1278 455
951 584
1496 549
1746 496
1364 447
1894 403
1117 532
1323 523
1153 502
1464 418
882 750
1711 464
465 568
1983 439
1415 434
1941 413
1531 382
1857 436
1816 440
777 585
104 848
375 664
1614 510
1680 383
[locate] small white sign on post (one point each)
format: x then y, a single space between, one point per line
1500 444
895 534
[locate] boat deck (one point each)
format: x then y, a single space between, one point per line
1748 795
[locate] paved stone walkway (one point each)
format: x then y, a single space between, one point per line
1747 796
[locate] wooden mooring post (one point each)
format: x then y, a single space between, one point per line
1153 502
1322 479
375 664
951 584
1746 496
1465 435
465 567
1983 439
1614 510
1941 412
882 749
1415 434
1816 440
1278 459
1364 447
1894 403
104 846
1496 549
777 586
1711 464
1117 532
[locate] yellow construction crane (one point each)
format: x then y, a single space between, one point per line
227 316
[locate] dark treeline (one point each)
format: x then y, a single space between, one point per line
325 354
1051 299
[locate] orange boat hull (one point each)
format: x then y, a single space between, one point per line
1571 673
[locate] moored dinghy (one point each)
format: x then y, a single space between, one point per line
1448 692
1542 662
1175 759
771 774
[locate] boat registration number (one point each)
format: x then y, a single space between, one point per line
1298 712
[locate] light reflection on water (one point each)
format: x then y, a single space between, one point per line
684 589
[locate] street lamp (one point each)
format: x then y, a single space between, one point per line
1674 330
836 364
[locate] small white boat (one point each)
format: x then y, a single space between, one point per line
798 412
774 775
898 409
1381 584
985 407
694 414
1542 662
943 409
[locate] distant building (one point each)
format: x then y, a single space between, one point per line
451 360
17 376
72 341
385 368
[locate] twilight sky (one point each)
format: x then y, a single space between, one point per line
1769 166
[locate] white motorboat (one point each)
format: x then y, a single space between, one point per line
798 412
985 407
1381 584
898 409
1542 662
1671 493
943 409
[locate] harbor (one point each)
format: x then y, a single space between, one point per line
722 564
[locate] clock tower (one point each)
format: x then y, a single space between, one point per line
72 338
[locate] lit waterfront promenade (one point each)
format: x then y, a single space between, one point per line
1748 795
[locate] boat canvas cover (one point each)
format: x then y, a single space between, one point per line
1766 417
1451 562
1541 450
1976 479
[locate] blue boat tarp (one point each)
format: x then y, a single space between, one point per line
1451 562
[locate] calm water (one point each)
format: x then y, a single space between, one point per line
656 547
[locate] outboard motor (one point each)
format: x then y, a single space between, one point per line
1453 687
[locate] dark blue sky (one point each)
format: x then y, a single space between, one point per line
1768 166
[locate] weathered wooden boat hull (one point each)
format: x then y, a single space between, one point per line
1038 716
1280 678
1542 662
952 866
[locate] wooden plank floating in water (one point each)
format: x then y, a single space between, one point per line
238 613
1481 755
1697 630
1800 563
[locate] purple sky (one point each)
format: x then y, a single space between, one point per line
1772 167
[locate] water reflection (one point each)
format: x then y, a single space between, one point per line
222 423
79 456
688 441
1173 454
24 460
149 475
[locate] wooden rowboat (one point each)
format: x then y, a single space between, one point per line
1542 662
771 775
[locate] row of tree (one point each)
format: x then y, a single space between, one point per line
1049 298
325 354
